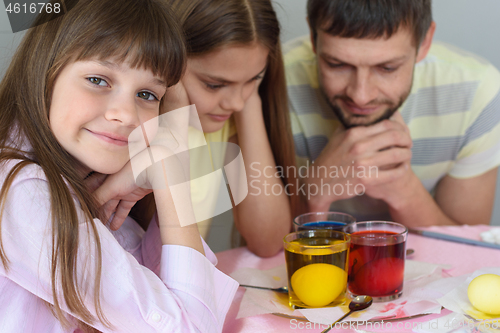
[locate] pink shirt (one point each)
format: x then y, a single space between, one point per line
145 286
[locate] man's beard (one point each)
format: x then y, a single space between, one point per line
347 121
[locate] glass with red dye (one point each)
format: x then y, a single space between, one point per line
377 259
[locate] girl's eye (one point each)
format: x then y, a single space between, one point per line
97 81
258 77
213 86
147 96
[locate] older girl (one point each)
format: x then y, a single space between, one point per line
235 77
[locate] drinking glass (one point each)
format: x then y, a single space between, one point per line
322 220
316 262
377 259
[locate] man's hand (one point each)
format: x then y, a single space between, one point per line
399 177
374 159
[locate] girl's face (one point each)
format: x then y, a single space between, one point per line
96 105
219 83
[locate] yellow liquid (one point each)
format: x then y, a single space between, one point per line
317 277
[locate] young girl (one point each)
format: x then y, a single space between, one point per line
235 77
78 85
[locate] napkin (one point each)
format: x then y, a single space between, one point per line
456 298
491 236
256 301
416 298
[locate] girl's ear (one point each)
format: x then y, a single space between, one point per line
426 43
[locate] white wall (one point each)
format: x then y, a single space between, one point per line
8 40
473 25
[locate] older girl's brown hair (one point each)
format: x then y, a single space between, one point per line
141 32
209 25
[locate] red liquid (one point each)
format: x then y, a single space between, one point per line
376 270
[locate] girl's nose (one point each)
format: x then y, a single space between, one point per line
234 103
124 110
235 99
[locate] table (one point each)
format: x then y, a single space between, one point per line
463 258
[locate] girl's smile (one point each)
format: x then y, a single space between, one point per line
111 138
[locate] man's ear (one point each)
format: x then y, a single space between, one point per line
311 35
426 43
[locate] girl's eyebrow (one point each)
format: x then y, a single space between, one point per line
159 82
224 81
218 79
109 64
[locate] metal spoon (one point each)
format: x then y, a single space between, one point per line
283 290
357 304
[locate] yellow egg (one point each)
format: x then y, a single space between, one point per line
484 293
318 285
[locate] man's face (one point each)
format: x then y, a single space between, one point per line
365 80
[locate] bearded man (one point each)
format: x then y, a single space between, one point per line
390 124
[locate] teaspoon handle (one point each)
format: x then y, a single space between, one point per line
283 290
341 318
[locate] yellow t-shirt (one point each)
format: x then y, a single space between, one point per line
200 161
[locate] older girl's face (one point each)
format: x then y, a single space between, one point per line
96 105
219 83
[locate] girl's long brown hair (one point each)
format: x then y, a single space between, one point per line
141 32
212 24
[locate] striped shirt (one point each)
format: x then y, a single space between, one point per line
453 113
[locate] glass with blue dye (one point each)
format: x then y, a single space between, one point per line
322 220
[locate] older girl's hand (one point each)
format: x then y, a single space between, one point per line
175 97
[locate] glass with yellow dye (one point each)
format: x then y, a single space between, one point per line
316 262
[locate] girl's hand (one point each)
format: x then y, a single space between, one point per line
252 111
117 194
175 97
94 181
252 108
